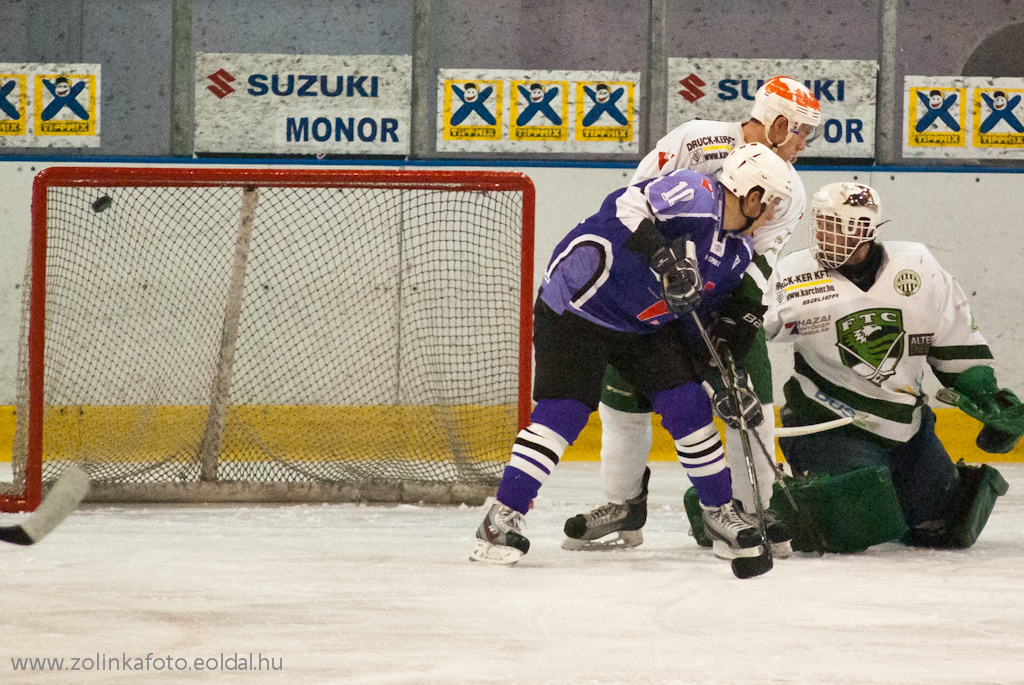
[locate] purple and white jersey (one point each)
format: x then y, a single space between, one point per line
593 275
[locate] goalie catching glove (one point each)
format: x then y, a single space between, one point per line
676 266
977 394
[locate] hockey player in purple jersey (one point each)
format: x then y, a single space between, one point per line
619 289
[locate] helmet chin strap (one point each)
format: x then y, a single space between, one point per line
750 220
768 136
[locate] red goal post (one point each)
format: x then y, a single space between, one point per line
219 334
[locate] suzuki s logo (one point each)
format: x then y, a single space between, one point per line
220 86
691 88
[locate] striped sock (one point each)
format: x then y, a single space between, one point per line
702 455
534 456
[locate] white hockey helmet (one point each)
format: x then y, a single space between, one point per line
783 96
844 216
753 166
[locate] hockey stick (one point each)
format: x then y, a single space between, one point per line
742 567
63 498
793 431
808 524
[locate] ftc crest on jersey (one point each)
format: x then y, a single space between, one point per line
871 342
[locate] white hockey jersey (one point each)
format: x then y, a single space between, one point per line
864 354
703 146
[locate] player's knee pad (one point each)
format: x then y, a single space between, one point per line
683 409
626 439
566 417
973 502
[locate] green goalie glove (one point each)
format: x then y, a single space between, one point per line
977 394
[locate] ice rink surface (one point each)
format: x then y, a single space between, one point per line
386 594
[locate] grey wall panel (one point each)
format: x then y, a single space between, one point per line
130 40
310 27
937 38
605 35
794 29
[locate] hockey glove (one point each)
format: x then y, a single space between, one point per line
750 405
977 394
736 324
676 266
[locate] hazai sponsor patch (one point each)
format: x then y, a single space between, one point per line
814 324
907 282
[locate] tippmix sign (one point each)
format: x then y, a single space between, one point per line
963 117
49 105
537 111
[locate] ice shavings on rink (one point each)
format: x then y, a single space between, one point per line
385 594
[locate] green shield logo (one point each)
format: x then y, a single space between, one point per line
871 342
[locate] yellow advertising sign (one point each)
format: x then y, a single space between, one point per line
65 105
604 110
998 116
472 109
540 110
937 117
13 92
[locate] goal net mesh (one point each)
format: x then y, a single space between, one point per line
279 335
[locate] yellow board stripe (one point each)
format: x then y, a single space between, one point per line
291 427
956 430
146 433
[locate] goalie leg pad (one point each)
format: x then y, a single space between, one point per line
853 511
973 502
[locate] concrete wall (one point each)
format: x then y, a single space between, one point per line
964 218
133 42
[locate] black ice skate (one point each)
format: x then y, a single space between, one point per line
731 535
584 532
779 534
499 537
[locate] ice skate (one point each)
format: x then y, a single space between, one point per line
731 535
623 522
499 537
779 534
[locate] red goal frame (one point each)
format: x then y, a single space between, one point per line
468 180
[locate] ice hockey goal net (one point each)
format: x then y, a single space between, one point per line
212 334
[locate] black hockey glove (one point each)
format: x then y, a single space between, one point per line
750 405
681 284
736 324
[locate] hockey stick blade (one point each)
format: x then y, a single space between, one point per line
751 567
793 431
63 498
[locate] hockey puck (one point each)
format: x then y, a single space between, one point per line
750 567
101 203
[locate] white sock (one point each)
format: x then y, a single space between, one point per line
626 440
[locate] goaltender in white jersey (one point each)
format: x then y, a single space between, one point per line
889 337
866 320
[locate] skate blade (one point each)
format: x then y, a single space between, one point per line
722 550
782 550
621 540
499 555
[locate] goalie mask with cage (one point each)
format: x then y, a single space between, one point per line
844 216
754 166
786 97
